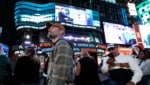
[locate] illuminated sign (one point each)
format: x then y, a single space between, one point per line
143 10
79 17
145 35
132 9
89 49
101 46
76 49
45 44
121 34
124 50
47 49
84 45
34 15
37 18
86 39
111 1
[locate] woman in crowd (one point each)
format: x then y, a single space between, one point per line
87 70
144 63
27 67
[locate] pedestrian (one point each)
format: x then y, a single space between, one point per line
27 69
60 67
5 67
121 69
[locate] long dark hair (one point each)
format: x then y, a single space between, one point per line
30 51
146 54
133 51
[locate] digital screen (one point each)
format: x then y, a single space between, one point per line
145 35
5 48
91 45
110 1
45 44
119 34
33 15
132 9
143 10
77 16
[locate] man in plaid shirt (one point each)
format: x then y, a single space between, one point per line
60 65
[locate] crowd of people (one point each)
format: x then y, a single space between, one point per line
63 67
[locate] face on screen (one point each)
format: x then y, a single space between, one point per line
75 15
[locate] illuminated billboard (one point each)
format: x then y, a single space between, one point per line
71 15
110 1
33 15
132 9
145 35
119 34
143 10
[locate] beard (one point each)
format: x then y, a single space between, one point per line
51 36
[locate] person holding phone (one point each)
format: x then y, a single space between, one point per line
121 69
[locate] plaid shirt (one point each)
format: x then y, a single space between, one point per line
60 66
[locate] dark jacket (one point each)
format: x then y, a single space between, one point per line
89 72
5 68
27 70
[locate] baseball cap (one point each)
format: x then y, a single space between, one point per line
111 46
49 24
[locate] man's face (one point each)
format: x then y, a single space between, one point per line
53 32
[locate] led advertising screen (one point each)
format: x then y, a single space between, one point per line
110 1
74 16
143 10
33 15
145 35
119 34
132 9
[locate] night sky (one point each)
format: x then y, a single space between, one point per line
10 35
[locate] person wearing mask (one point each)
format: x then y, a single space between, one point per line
5 67
60 67
87 70
27 68
122 69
